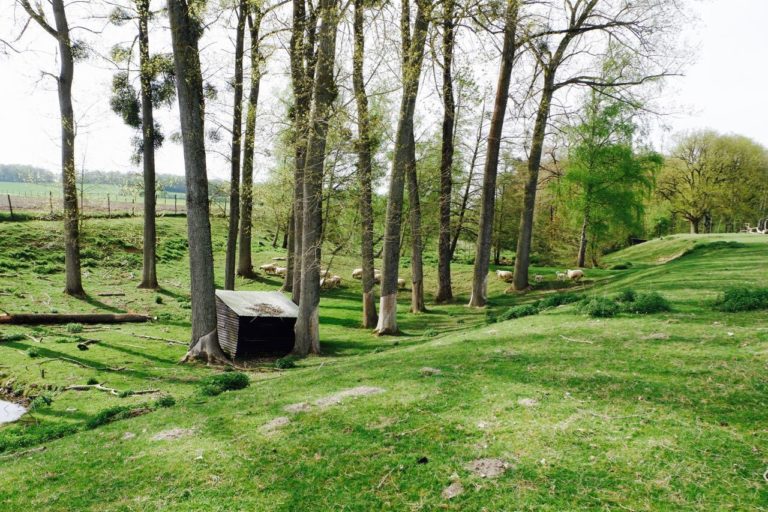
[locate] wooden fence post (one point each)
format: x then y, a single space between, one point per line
50 200
10 206
174 204
109 207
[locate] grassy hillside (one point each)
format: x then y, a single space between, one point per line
636 412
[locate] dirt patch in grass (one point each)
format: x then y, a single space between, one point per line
172 434
275 424
656 336
528 402
297 408
452 490
487 468
337 398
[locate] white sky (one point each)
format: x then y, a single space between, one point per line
722 90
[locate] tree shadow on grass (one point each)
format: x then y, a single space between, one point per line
90 299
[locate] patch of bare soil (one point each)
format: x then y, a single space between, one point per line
452 490
487 468
528 402
337 398
428 371
275 424
174 433
296 408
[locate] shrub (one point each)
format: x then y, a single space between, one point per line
743 299
32 352
92 381
216 384
12 337
558 300
108 415
599 307
626 295
518 312
286 362
158 299
647 303
430 333
619 266
74 328
165 401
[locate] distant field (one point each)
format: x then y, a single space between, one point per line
37 197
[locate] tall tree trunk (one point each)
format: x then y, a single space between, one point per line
237 126
245 259
694 225
523 253
467 189
189 84
488 197
364 168
149 264
324 92
73 280
444 291
582 257
413 55
301 82
417 267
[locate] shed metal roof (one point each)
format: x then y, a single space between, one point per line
258 304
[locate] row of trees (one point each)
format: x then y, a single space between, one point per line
337 141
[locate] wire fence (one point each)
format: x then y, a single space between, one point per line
49 203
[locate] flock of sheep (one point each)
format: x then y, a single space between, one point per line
329 281
571 275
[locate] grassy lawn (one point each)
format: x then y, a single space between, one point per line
638 412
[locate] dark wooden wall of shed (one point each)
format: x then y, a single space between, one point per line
228 325
265 336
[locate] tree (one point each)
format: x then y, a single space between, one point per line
413 55
488 197
444 291
606 181
157 87
67 51
630 28
237 126
185 33
323 94
245 261
709 173
364 166
417 266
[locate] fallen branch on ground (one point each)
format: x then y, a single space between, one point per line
111 391
82 318
111 294
155 338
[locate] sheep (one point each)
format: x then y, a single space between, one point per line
376 277
327 283
560 276
281 271
538 278
400 283
505 275
268 268
574 275
325 272
357 273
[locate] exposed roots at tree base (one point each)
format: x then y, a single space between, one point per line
207 350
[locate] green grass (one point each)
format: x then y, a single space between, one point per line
663 411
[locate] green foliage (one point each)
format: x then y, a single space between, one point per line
626 295
599 307
74 328
559 299
109 415
125 100
12 337
165 401
33 352
92 381
21 436
216 384
742 299
286 362
648 303
518 312
40 401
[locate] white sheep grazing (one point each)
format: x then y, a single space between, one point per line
281 271
268 268
538 278
560 276
335 280
400 283
505 275
325 273
357 273
376 277
574 275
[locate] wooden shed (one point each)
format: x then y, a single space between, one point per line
253 324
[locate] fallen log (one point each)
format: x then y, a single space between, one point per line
66 318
